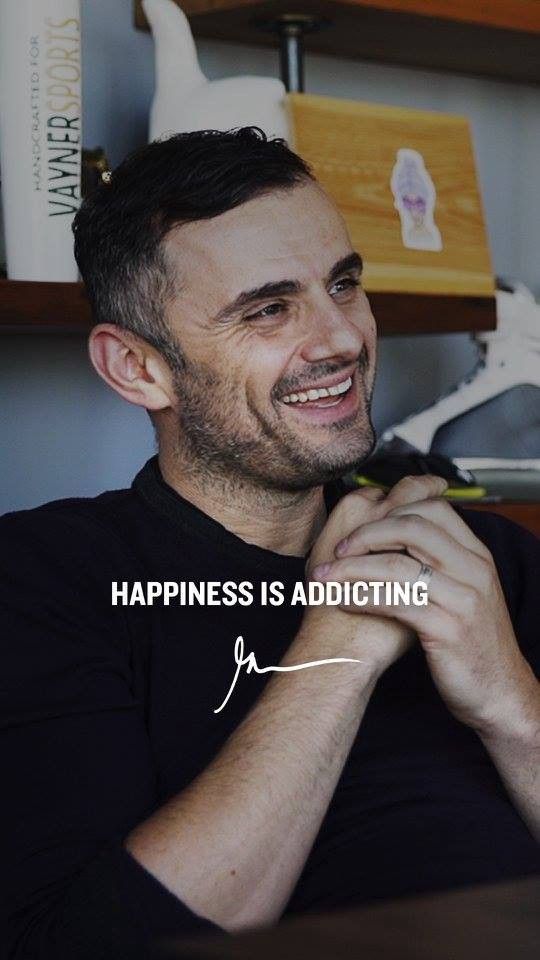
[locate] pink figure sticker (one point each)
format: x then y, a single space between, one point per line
414 199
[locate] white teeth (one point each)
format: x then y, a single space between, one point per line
314 394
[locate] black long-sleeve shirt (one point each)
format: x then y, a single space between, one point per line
107 711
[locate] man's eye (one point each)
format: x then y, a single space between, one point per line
271 310
344 285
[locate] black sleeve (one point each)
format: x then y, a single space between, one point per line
75 754
516 552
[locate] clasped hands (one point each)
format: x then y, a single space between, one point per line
465 629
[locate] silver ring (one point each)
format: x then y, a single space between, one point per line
425 574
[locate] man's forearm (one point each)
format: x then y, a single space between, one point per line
514 747
232 845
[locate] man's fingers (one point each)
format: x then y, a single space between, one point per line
444 516
414 488
373 493
447 600
443 591
352 510
368 503
420 537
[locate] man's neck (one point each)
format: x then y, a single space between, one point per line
282 521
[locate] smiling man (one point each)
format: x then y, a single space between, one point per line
228 303
257 398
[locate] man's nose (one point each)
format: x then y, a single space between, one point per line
329 333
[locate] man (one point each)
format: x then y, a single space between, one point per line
137 807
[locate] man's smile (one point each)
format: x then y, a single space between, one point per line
318 393
326 404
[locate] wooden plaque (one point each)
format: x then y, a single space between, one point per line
353 148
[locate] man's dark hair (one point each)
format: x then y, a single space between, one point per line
192 176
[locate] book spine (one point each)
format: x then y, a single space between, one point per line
40 135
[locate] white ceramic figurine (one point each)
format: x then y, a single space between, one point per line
185 100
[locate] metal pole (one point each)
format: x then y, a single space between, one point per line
291 29
291 55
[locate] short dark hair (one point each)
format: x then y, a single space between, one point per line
191 176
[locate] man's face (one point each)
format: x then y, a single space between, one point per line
268 310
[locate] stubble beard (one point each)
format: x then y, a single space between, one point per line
214 449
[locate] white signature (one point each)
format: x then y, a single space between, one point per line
250 663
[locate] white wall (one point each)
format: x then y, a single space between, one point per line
63 433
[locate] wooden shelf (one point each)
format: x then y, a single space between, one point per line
39 307
28 306
499 38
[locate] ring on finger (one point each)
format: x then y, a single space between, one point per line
424 574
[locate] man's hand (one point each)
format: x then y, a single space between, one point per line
465 629
350 515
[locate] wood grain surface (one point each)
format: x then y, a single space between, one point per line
352 148
526 514
496 922
496 38
507 14
30 307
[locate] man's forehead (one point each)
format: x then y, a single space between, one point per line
296 229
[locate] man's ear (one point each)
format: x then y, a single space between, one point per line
131 366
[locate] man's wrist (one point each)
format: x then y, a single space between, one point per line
322 636
342 634
517 717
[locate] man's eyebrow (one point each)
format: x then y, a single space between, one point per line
353 261
283 288
278 288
